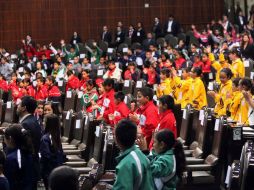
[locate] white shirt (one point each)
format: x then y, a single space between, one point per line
241 20
170 26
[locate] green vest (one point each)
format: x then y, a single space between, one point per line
163 167
133 171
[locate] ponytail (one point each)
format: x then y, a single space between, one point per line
180 158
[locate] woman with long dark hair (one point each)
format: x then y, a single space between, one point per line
50 148
19 158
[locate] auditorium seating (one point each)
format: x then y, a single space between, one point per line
208 170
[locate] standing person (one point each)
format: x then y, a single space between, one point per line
237 66
19 158
106 35
75 39
167 160
51 147
139 34
147 114
197 92
156 29
224 91
25 111
171 27
133 170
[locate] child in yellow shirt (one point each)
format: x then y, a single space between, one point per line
197 92
225 89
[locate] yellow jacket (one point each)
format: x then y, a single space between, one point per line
164 88
218 66
175 85
221 97
243 112
234 105
197 94
183 95
238 68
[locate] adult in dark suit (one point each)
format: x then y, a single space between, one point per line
29 122
156 29
172 26
139 34
119 36
241 21
106 35
148 41
75 39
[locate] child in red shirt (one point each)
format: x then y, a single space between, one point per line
108 105
73 81
41 92
53 90
131 73
147 115
121 109
84 79
197 61
3 84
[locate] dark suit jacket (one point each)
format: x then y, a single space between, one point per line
248 52
241 26
107 37
147 43
138 36
157 30
77 39
121 36
31 124
175 28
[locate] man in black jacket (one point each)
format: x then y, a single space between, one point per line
157 31
241 21
171 27
29 122
106 35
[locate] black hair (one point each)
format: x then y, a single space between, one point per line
20 137
187 69
30 103
63 178
198 71
26 80
2 161
69 73
246 82
236 81
228 72
56 107
52 126
126 133
120 95
167 136
51 78
109 82
167 100
38 75
40 79
91 82
166 72
147 92
235 51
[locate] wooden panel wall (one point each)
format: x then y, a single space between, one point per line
50 20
